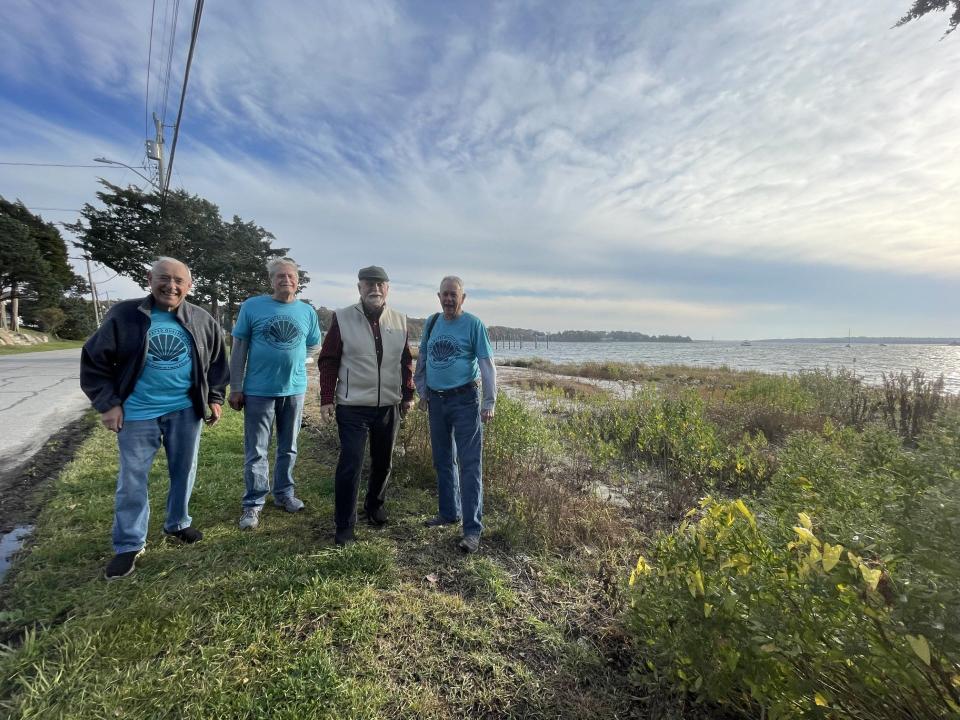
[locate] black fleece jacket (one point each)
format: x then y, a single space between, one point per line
114 356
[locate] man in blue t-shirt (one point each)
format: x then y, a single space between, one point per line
153 370
454 354
268 380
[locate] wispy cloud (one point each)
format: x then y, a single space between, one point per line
567 148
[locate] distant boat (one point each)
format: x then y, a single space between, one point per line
746 343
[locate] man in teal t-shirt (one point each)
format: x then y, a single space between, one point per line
268 380
454 354
153 369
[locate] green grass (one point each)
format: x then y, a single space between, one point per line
279 623
40 347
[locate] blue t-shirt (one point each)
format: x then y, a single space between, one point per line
279 334
453 349
164 385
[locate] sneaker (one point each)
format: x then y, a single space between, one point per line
438 520
188 535
289 503
377 516
470 543
123 564
250 520
343 537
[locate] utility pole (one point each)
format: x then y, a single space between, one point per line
155 151
93 292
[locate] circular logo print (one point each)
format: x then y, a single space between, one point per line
282 332
443 351
167 349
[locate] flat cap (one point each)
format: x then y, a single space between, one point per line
374 272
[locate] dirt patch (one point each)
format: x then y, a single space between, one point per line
24 489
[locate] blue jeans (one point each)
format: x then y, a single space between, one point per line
259 415
139 440
456 435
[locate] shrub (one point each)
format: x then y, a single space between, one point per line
910 402
837 600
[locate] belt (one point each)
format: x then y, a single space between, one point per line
454 391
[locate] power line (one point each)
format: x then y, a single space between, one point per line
194 32
170 48
146 101
64 165
52 208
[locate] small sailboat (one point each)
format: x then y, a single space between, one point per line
746 343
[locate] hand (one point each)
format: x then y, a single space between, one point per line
424 403
237 400
216 410
112 419
406 407
327 413
486 415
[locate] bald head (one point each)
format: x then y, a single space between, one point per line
170 281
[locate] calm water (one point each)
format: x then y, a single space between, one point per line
867 360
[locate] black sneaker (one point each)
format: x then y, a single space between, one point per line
343 536
377 516
123 564
188 535
437 521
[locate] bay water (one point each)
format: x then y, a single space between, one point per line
866 360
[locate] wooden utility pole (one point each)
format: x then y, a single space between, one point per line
93 292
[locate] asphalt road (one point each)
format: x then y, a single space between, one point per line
39 394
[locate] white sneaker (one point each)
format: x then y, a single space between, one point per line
250 520
289 503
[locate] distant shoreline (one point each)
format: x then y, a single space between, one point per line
867 341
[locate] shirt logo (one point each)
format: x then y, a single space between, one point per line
167 349
282 333
443 351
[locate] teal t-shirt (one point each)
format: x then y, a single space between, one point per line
452 351
278 334
164 385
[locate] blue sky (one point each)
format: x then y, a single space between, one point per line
729 169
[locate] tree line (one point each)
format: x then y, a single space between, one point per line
134 227
37 282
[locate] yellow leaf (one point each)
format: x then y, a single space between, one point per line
642 568
871 576
695 583
814 557
831 556
820 700
742 507
853 558
807 536
707 610
921 647
805 520
768 648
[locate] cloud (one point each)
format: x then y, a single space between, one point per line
685 164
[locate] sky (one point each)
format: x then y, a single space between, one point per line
729 169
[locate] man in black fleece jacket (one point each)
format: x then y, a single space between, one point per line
154 370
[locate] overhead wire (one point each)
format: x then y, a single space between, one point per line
146 101
170 48
194 32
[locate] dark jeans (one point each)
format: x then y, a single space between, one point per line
355 424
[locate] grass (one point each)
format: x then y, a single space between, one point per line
278 623
40 347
